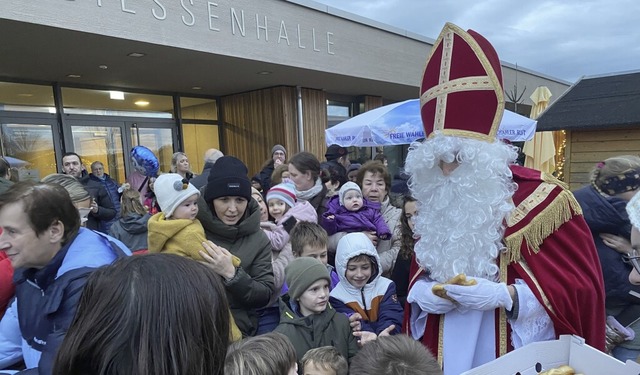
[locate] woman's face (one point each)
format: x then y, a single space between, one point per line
410 212
230 209
182 164
374 187
264 213
303 181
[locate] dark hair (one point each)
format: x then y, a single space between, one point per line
268 354
44 204
72 154
397 354
306 162
5 167
326 358
407 241
158 314
331 172
307 233
375 167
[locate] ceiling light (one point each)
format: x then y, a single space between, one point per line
116 95
73 76
264 73
103 67
142 103
196 88
137 54
25 95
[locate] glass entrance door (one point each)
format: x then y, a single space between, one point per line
29 145
110 141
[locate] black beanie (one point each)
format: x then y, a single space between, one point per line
228 178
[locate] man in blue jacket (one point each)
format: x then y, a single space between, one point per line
52 257
97 175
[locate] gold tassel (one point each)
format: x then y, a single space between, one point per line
561 210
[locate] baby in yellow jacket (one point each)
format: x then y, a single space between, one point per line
175 229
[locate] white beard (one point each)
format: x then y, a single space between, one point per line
461 217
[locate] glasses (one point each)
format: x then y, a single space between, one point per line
633 258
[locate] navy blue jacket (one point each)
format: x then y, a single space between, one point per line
608 215
35 324
112 191
106 212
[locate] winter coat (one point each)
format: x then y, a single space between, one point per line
106 210
182 237
325 329
264 176
279 237
320 201
112 190
609 215
132 231
387 249
367 218
377 302
201 179
46 299
7 288
252 286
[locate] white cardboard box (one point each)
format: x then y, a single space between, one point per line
568 350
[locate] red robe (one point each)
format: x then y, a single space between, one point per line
550 247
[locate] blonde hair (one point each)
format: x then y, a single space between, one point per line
268 354
130 203
174 160
326 358
607 172
76 190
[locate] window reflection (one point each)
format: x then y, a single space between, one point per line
31 146
100 143
158 140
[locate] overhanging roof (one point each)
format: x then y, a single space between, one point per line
600 102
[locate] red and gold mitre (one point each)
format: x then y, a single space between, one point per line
461 92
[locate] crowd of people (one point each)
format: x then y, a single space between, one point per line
308 267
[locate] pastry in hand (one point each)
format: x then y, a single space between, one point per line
460 279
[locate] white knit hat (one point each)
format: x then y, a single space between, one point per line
171 190
633 210
285 192
346 187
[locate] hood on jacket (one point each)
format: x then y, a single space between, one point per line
161 230
603 214
352 245
135 223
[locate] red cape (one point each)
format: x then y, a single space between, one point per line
550 247
7 289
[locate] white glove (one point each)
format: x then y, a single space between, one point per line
485 295
422 295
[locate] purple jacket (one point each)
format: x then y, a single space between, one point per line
368 218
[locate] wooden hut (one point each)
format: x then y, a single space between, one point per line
601 118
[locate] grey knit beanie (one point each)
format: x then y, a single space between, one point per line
302 272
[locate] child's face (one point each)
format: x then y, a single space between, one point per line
187 209
314 300
317 252
358 272
310 368
353 200
277 208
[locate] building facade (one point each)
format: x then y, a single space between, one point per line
100 76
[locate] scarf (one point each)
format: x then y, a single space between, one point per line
308 194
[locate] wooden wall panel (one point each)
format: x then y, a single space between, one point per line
314 112
257 120
372 102
586 148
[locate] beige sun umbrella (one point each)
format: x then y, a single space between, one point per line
540 151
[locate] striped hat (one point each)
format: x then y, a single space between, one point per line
285 192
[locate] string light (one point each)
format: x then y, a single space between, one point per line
560 157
